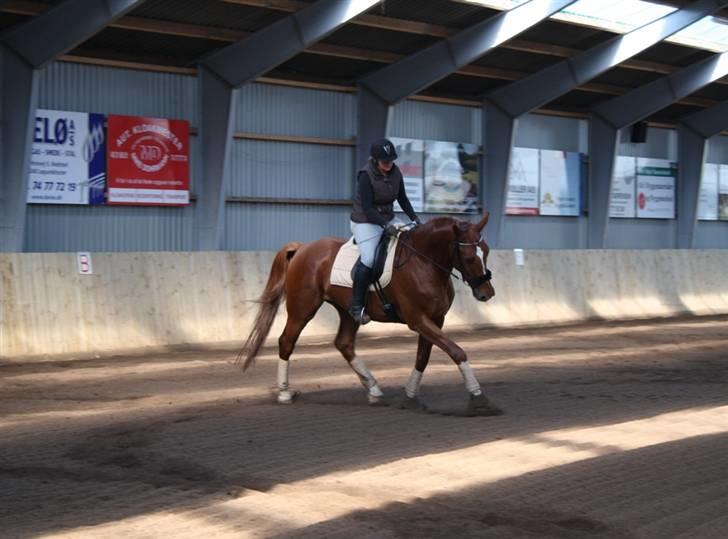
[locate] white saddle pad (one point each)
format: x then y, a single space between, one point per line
346 258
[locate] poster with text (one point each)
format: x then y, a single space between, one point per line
411 162
723 193
451 177
656 188
560 192
68 158
624 182
148 161
523 182
708 197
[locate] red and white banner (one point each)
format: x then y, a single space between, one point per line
148 161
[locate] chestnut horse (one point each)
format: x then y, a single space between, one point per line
421 290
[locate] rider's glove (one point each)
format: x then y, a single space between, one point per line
417 221
390 230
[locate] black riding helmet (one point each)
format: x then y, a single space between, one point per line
383 149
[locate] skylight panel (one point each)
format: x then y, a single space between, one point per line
620 16
709 33
623 16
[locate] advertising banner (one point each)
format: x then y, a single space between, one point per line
656 188
560 192
451 177
148 161
411 162
708 197
523 182
624 183
723 193
68 158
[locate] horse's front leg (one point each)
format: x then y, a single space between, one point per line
412 388
432 332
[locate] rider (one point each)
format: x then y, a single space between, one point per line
379 184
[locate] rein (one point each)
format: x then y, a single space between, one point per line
473 282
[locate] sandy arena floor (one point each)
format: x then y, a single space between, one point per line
611 430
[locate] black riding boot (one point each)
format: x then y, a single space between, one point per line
362 280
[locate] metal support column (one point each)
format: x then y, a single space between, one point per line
218 104
372 117
19 84
691 156
499 130
602 155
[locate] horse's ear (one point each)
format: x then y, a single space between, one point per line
483 221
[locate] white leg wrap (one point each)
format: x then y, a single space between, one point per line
365 377
284 395
412 389
471 384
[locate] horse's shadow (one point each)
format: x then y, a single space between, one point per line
444 401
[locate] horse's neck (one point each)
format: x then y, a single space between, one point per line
436 244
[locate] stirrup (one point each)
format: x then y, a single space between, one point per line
360 316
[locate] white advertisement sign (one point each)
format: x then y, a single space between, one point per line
723 193
411 161
523 182
451 177
708 198
655 188
560 183
622 200
68 158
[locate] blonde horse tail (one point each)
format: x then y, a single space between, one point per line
270 299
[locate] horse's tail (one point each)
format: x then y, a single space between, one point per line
269 301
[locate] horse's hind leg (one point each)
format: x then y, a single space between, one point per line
301 309
344 343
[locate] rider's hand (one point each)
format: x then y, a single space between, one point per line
417 221
390 230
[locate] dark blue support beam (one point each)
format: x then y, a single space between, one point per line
218 102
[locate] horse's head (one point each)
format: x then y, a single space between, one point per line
471 257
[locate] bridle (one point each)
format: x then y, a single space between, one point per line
473 281
476 280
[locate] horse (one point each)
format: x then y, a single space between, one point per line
421 291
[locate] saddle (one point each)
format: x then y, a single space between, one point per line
348 255
341 271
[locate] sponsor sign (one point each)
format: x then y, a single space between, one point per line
708 197
67 162
723 193
411 162
560 183
148 161
624 182
451 177
523 182
656 188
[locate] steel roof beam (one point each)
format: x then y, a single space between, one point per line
50 35
531 92
413 73
268 48
631 107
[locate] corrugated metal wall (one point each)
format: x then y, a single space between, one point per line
302 170
290 170
78 87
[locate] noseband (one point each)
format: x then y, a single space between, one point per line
473 281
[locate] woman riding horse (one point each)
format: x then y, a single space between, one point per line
379 184
421 291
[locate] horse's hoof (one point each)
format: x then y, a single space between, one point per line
286 397
479 405
376 400
409 403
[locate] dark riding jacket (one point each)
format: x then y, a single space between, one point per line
376 193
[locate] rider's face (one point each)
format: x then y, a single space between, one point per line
385 166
